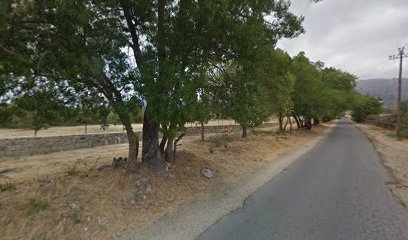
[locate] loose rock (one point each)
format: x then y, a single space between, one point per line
207 173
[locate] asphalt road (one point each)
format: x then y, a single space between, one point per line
335 191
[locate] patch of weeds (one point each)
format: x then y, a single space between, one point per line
76 217
34 206
219 141
39 238
256 132
7 220
72 170
404 134
45 180
211 150
7 186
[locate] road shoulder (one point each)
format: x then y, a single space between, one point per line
192 218
394 155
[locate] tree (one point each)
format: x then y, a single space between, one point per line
363 106
41 110
239 96
308 92
203 111
279 84
78 47
63 46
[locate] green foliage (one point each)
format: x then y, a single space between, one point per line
309 88
35 205
279 82
239 96
72 170
181 40
403 134
321 93
179 61
363 106
113 118
76 217
404 106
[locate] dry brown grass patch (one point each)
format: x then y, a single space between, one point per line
100 204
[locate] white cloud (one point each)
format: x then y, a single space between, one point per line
356 36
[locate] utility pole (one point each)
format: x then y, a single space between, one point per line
401 54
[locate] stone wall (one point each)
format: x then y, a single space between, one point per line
191 131
40 145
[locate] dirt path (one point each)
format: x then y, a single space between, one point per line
395 157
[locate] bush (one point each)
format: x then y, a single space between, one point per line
219 141
403 133
365 106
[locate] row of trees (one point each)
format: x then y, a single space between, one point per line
289 88
40 111
181 61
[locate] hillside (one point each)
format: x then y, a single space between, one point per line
386 89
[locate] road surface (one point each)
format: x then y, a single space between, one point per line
335 191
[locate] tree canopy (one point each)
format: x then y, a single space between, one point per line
179 61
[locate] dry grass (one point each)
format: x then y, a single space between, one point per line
73 130
50 203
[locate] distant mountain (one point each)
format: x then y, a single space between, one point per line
386 89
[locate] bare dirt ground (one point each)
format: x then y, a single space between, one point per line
76 195
394 154
72 130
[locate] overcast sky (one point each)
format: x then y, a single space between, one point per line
354 35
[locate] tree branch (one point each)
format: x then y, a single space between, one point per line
10 52
133 33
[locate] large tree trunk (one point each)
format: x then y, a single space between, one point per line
151 154
170 151
133 140
290 122
175 143
164 140
301 121
286 124
297 121
163 144
202 131
308 123
244 131
280 122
